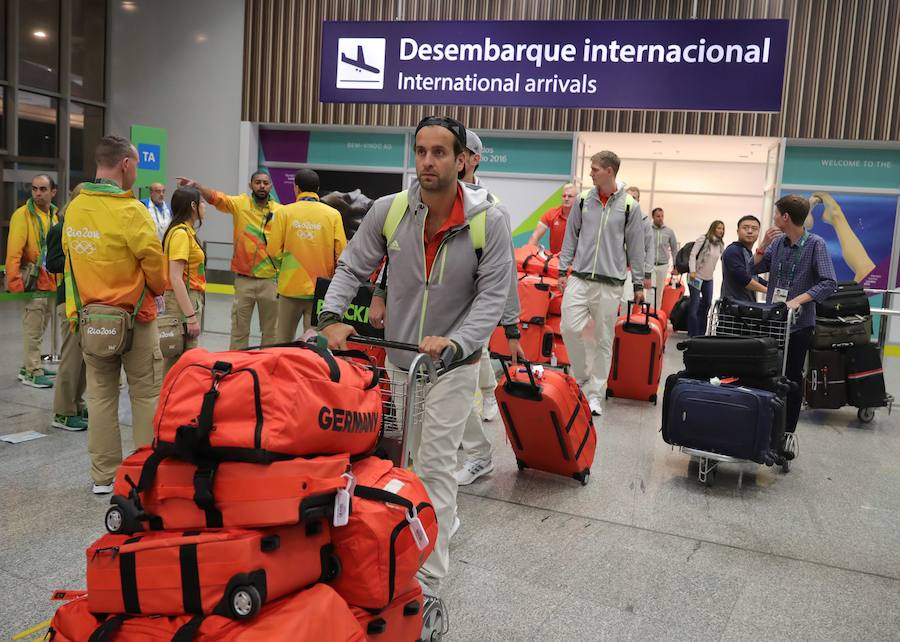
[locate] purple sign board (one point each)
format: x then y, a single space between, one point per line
710 65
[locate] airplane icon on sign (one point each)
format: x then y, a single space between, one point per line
360 61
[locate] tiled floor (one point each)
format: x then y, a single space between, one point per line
643 552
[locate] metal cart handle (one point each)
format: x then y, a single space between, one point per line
446 356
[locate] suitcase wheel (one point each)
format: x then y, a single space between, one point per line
865 415
244 602
376 627
609 393
122 517
653 399
521 464
331 567
115 519
583 477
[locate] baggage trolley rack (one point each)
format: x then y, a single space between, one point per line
728 325
403 396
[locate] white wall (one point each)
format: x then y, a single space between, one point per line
178 64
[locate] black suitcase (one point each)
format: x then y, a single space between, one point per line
865 377
825 384
718 356
679 316
842 333
752 313
725 419
844 303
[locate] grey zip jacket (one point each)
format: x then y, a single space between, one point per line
595 240
649 248
463 299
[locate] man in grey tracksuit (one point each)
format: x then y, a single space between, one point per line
666 248
445 294
595 248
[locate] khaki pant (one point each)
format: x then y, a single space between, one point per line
660 278
290 313
71 379
250 292
143 369
35 317
582 302
174 309
475 442
447 408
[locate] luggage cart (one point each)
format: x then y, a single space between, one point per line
403 398
727 325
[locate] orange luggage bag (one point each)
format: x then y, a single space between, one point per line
636 363
401 621
227 572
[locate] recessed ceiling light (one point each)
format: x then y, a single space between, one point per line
200 37
656 142
129 5
743 156
40 34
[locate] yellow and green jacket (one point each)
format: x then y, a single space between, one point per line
181 245
27 243
252 225
112 251
306 240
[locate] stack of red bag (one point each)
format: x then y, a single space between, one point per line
540 302
246 520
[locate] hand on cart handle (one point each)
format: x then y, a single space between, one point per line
337 335
438 348
443 357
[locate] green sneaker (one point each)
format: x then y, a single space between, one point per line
22 374
49 372
37 381
75 423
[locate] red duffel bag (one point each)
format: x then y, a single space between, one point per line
266 405
317 614
399 622
382 546
230 572
152 494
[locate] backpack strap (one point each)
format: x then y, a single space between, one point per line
478 233
395 214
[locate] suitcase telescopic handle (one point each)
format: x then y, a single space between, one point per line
504 361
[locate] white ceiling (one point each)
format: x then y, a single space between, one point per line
724 149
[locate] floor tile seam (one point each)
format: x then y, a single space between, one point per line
690 539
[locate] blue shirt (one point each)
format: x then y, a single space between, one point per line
736 264
803 267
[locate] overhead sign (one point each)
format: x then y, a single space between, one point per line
842 166
151 146
720 65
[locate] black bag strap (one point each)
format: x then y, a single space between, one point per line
189 631
204 497
334 371
384 496
105 631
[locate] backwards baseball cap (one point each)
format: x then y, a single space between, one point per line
473 143
455 127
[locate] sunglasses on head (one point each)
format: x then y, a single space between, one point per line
455 127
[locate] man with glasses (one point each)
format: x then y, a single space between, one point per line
449 254
26 271
159 209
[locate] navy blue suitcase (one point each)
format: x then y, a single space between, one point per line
725 419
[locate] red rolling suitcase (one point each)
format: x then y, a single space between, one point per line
400 621
548 421
317 614
534 299
178 495
226 572
673 291
636 363
531 341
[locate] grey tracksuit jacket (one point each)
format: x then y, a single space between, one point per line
595 243
462 299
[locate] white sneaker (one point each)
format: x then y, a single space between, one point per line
102 489
596 406
489 409
472 469
455 527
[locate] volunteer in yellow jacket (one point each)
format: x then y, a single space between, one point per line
254 271
114 258
186 263
26 271
306 240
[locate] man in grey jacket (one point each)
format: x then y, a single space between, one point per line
449 293
666 248
602 222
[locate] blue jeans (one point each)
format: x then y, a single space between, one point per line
699 308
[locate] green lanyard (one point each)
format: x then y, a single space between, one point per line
41 234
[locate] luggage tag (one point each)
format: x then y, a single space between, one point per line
780 295
342 501
417 530
67 596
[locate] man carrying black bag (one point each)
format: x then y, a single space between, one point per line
800 274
